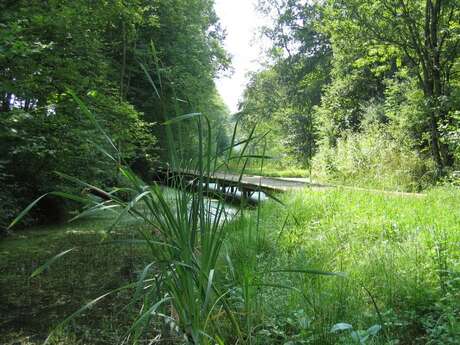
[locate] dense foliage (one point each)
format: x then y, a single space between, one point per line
363 92
133 63
399 253
342 70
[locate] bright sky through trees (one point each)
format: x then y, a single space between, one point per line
240 20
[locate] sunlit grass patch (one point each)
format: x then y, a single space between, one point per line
400 255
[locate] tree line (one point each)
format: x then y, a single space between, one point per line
362 90
133 63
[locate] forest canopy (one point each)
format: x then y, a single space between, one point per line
364 91
108 53
135 209
359 92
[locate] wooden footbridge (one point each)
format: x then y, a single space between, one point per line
233 185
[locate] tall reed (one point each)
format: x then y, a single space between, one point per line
184 234
181 292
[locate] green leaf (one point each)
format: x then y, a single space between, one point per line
26 210
208 289
86 307
140 282
373 330
147 74
50 262
146 315
182 118
36 201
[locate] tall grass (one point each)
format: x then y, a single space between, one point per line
190 290
181 292
184 236
374 158
400 254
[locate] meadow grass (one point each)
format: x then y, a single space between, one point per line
400 257
269 169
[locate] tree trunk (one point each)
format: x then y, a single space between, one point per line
5 106
435 145
433 88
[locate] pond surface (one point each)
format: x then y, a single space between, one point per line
236 193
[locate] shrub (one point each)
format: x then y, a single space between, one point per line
374 158
34 145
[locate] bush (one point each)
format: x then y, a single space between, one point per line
374 158
35 145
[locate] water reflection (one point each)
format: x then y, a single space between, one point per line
236 193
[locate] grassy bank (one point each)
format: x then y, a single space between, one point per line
270 169
400 254
400 257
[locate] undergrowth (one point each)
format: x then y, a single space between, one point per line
374 158
400 257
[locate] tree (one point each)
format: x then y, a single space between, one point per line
286 92
183 55
105 52
421 34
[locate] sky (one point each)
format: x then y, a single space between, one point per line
240 20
